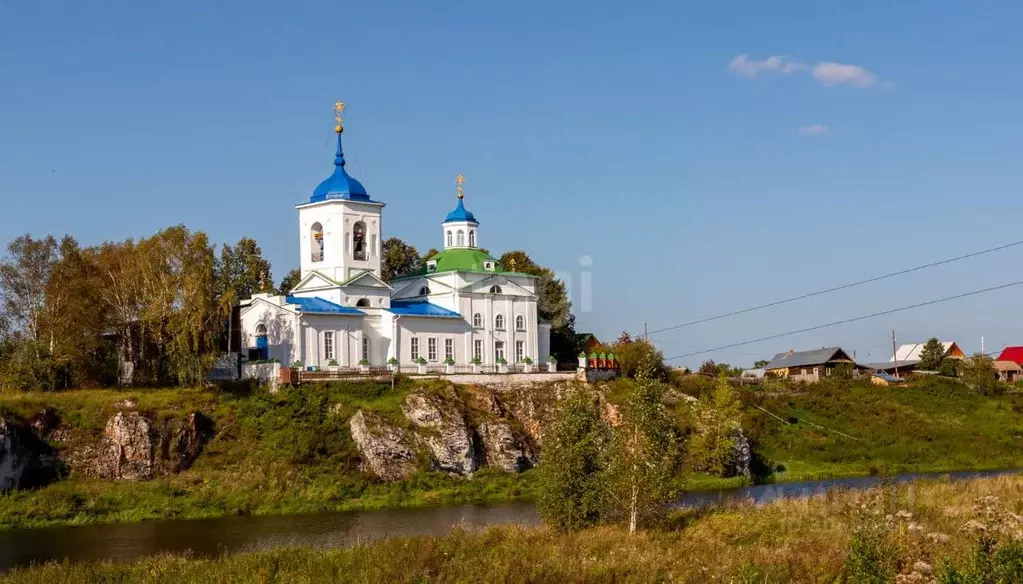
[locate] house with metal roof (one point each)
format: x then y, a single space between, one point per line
1014 354
911 352
461 306
808 366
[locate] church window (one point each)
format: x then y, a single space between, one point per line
328 345
365 348
359 241
495 289
424 291
449 349
488 266
477 320
431 348
498 350
449 239
499 322
415 348
520 323
316 242
477 349
520 351
460 238
363 302
472 238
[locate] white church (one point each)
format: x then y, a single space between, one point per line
462 306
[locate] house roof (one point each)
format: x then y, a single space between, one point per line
321 306
890 365
913 351
804 358
1007 366
421 308
1014 354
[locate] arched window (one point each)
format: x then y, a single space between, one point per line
363 302
460 238
359 241
316 242
424 291
499 322
520 323
477 320
495 289
472 238
449 239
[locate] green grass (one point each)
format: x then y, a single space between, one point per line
292 453
853 536
928 425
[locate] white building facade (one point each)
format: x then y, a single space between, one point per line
461 307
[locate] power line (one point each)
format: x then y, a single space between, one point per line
847 320
837 288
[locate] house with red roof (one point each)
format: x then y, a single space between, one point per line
1014 354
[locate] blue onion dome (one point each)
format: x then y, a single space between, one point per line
459 213
339 185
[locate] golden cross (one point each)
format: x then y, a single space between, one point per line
460 180
338 108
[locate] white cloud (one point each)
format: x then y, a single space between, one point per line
814 130
742 65
831 74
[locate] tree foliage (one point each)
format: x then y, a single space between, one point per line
289 281
644 456
242 271
715 422
399 258
978 373
639 356
571 470
931 356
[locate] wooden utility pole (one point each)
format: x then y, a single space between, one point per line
895 354
646 335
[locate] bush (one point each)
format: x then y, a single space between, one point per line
636 355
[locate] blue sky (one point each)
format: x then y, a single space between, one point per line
880 135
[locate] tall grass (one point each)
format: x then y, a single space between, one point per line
928 528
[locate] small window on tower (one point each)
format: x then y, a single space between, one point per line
449 239
460 238
431 265
359 241
488 266
316 242
472 238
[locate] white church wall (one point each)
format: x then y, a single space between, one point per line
424 328
281 328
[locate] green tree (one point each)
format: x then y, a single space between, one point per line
242 271
760 364
571 469
931 356
24 277
639 356
716 420
709 368
399 258
289 281
978 373
644 456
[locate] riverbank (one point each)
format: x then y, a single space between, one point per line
292 453
938 529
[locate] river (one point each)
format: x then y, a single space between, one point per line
213 537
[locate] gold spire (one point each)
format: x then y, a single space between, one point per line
460 180
338 108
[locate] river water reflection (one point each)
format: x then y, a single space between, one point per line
213 537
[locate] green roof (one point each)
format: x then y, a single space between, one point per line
462 260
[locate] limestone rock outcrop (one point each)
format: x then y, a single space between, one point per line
502 448
385 448
135 448
25 459
442 428
742 456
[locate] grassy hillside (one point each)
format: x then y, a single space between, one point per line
951 532
845 428
284 453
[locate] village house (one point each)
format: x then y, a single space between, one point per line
907 357
808 366
1008 371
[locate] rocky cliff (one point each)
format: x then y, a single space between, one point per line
459 430
132 446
